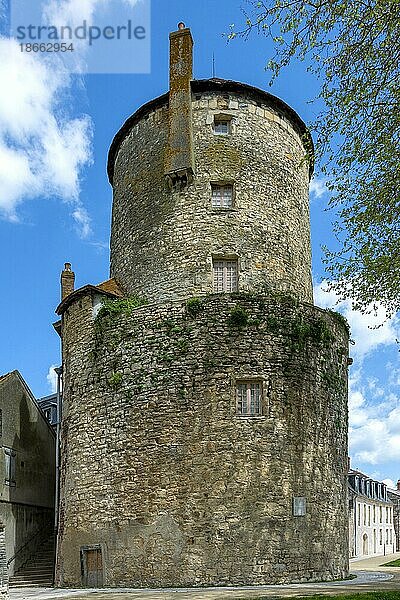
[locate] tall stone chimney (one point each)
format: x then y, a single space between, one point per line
179 162
67 281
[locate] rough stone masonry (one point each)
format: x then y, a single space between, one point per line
204 436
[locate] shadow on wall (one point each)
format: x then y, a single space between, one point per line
32 513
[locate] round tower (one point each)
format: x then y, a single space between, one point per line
211 182
204 437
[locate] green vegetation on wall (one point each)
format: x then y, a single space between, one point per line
116 306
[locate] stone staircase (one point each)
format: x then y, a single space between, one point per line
38 571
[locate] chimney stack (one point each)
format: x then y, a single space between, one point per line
67 281
179 163
398 485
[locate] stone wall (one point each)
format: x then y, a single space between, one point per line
162 475
163 242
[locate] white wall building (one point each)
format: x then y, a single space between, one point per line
371 529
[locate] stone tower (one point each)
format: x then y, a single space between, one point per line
204 436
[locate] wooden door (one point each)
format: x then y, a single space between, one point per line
92 567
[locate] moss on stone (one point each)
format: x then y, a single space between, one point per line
116 306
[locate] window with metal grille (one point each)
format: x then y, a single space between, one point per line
225 275
222 195
222 126
299 506
9 455
249 398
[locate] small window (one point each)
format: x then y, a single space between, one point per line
9 455
249 398
225 276
222 125
299 507
47 414
222 195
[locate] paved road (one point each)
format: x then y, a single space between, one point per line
370 576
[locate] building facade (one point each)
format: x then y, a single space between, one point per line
27 471
48 406
204 396
371 517
394 496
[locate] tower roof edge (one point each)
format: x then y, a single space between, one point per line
204 85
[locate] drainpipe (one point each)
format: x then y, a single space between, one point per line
58 370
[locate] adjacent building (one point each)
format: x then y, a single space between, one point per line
27 471
371 517
48 406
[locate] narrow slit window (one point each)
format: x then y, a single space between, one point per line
222 196
225 276
249 398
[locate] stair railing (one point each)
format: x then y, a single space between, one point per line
25 546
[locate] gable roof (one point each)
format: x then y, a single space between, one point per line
17 375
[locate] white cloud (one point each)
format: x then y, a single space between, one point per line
52 378
390 483
42 149
318 187
374 426
64 12
374 403
365 330
82 221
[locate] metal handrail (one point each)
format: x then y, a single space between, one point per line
37 534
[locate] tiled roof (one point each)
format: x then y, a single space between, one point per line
355 472
109 287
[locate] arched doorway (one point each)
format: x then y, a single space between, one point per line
365 544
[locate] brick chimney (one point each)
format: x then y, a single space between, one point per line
398 485
67 281
179 161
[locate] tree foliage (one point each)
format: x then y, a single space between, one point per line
353 46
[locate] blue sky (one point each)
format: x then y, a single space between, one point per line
55 202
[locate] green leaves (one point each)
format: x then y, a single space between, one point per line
354 48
